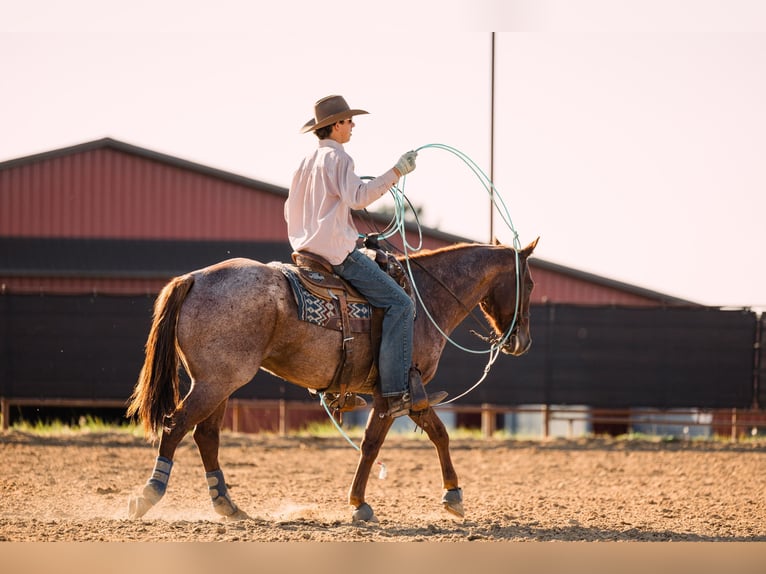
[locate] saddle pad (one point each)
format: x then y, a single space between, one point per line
324 312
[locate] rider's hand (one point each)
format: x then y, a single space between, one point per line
406 163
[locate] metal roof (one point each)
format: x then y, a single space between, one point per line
60 256
109 143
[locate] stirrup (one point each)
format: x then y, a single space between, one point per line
402 405
352 402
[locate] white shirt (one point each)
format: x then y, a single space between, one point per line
323 192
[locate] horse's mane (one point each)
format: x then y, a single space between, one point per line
447 249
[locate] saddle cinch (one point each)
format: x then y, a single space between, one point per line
326 299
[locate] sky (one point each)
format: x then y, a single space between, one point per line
629 136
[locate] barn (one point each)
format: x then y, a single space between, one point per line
90 233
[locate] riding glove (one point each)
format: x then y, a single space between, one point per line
406 163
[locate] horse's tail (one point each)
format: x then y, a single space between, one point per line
156 393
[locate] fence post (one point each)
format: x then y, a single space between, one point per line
546 421
487 421
5 412
235 415
282 417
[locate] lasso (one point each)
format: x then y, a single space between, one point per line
397 226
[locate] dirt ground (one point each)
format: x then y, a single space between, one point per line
75 487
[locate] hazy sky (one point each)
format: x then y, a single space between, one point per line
630 136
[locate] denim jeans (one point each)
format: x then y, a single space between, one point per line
382 291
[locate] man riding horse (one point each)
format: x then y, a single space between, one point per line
323 192
227 321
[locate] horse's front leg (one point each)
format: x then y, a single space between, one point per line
374 434
428 420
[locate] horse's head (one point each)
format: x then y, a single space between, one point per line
500 304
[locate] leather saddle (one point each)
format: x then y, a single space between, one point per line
346 307
318 278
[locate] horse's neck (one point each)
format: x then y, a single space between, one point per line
458 279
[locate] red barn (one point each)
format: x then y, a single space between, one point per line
104 216
105 224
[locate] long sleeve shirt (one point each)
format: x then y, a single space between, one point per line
323 192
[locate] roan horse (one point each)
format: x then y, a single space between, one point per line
227 321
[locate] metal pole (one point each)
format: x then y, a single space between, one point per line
492 143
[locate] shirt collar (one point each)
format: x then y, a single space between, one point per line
330 143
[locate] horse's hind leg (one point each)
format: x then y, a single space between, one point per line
175 429
452 501
207 436
194 408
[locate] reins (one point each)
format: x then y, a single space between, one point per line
469 312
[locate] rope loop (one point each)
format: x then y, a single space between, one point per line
397 227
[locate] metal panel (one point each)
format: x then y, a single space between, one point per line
92 347
760 372
67 265
557 288
616 357
511 380
109 193
629 357
126 258
72 347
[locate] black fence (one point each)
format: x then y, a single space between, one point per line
91 348
620 357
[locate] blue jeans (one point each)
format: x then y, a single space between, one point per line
382 291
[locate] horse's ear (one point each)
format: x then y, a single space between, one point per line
527 251
496 241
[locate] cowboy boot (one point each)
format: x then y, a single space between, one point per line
417 391
402 405
415 400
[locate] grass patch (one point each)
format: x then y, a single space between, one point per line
85 424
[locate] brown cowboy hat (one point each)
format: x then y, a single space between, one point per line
329 110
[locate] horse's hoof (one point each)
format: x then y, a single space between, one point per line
236 516
138 506
225 507
364 514
452 501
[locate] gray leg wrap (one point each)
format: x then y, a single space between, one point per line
219 494
160 476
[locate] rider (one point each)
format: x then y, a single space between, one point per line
322 194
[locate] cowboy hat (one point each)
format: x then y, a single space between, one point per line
329 110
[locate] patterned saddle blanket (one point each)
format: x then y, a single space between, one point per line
320 293
324 310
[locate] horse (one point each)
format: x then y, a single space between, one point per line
225 322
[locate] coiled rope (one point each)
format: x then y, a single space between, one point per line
397 226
